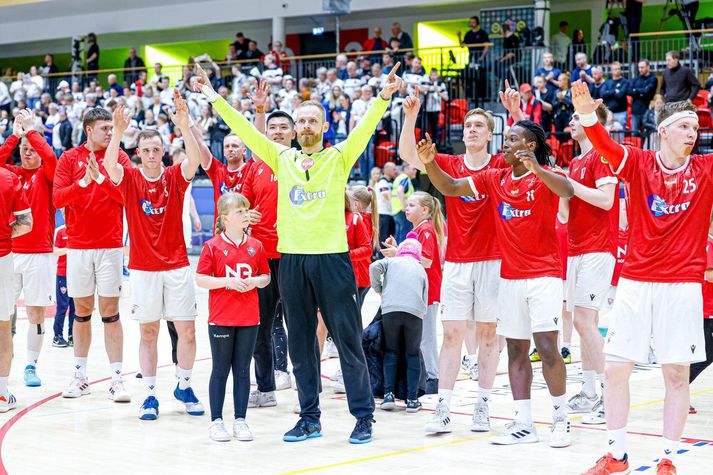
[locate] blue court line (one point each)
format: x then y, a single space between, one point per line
643 468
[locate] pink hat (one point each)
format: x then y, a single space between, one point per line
410 247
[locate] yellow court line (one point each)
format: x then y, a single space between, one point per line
388 454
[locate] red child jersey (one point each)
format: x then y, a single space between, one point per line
562 231
429 250
94 214
359 247
260 188
592 229
471 224
526 211
225 180
669 214
12 203
622 245
37 190
60 241
708 286
154 214
221 257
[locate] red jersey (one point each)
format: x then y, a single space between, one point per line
561 229
669 214
60 241
221 257
359 247
429 250
154 214
526 211
12 203
471 224
708 286
592 229
260 188
94 214
622 245
225 180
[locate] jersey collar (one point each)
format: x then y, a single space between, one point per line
671 171
230 241
141 169
512 174
475 169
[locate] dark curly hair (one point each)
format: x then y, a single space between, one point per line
537 134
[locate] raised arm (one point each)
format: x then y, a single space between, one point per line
259 144
260 99
407 139
445 183
181 119
121 121
510 98
559 184
206 156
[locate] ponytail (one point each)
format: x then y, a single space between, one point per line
219 227
435 213
367 198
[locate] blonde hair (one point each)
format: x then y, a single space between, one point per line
488 117
435 212
367 198
226 204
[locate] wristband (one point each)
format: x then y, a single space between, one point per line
100 180
82 183
260 109
209 93
588 120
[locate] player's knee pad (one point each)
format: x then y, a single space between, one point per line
111 319
79 319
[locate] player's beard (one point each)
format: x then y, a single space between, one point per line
309 140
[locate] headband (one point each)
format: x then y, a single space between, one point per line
678 116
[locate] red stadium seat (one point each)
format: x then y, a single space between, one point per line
704 118
385 152
701 100
633 141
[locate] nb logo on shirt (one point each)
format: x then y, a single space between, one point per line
659 207
242 271
507 212
298 195
148 208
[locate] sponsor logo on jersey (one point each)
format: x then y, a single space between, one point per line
225 188
473 199
299 196
251 251
149 209
507 212
659 207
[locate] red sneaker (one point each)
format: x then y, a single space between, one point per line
608 465
692 410
665 467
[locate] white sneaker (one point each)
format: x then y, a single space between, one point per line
516 432
581 403
330 349
79 386
7 403
118 393
296 408
473 372
338 382
470 366
560 433
282 380
260 399
217 431
481 417
441 421
597 416
241 431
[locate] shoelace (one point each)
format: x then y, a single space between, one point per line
480 410
364 423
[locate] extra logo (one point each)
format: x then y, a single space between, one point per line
507 212
299 196
659 207
225 188
149 209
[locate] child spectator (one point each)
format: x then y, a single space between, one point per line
64 301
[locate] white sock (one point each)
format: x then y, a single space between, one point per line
559 405
35 336
484 395
444 396
150 385
670 449
617 443
600 378
523 411
3 385
589 387
184 377
566 344
80 364
116 371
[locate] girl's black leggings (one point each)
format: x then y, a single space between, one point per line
402 331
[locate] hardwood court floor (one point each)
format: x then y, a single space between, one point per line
51 435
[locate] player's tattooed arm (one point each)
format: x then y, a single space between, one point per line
22 224
445 183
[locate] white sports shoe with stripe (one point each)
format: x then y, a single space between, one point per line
581 403
441 421
118 393
516 432
7 403
79 386
560 434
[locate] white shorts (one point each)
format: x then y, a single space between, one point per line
528 306
94 270
470 291
168 294
671 313
35 277
588 280
7 287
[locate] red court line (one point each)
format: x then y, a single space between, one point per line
9 424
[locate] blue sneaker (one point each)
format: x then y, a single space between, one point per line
31 379
187 397
303 430
125 271
149 409
362 431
